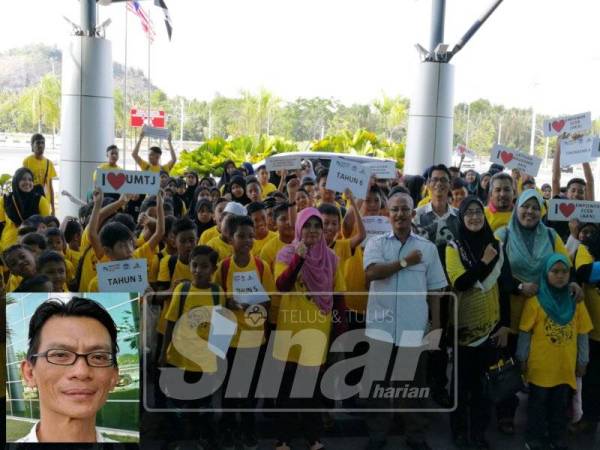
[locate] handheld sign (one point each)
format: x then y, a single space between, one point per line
248 289
130 275
222 330
583 210
288 162
375 226
157 133
386 170
577 123
344 174
576 151
128 182
515 160
462 150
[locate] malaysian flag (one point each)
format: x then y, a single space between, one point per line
136 9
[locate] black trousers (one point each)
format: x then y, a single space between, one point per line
547 413
590 394
505 410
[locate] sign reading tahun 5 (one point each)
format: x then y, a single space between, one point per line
128 182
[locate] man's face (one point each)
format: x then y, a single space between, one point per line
331 227
153 157
327 196
57 272
185 242
76 391
502 194
113 156
263 176
401 213
576 191
260 223
253 191
38 147
243 239
286 231
439 183
164 180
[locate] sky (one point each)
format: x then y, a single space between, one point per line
540 53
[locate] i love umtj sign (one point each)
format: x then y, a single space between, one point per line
128 182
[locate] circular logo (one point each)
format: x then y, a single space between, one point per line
255 315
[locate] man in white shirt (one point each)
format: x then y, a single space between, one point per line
71 361
403 269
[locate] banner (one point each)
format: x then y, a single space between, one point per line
128 182
513 159
578 123
582 210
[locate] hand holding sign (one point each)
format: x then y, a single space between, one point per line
157 133
568 124
515 160
344 173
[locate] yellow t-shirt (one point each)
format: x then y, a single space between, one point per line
356 282
13 282
73 256
104 166
592 296
301 322
38 167
207 235
553 353
424 201
10 233
259 244
180 273
157 168
143 252
221 247
267 189
497 219
190 335
250 331
343 251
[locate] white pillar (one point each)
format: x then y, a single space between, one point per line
87 115
430 119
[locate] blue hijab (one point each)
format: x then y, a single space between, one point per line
528 248
558 304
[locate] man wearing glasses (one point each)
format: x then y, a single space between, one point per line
71 361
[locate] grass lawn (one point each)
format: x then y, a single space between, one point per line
16 429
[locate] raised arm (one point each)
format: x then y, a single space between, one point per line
94 223
160 222
361 233
136 151
589 181
173 160
556 169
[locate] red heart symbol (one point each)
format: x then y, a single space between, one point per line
116 180
566 209
506 156
558 125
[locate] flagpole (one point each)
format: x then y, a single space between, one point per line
125 97
149 38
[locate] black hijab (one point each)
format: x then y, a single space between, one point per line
19 205
240 181
472 244
188 195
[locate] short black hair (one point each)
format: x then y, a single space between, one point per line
458 183
155 149
440 167
236 222
53 232
35 220
307 181
34 284
398 190
499 176
169 222
261 167
204 203
329 209
183 224
76 307
13 248
111 147
23 230
49 256
36 239
114 232
279 210
125 219
37 136
221 200
576 181
322 174
202 250
251 208
48 220
149 202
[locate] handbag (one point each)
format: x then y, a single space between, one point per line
502 380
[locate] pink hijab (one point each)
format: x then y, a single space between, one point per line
320 263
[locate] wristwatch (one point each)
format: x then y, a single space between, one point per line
520 287
403 263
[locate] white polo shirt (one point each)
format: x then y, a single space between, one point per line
391 315
32 436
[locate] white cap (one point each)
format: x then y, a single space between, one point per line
235 208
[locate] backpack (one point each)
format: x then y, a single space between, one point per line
172 263
225 269
74 283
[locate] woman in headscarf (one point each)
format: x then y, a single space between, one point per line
16 207
587 265
237 188
308 275
228 168
414 184
474 187
191 182
480 274
553 350
248 168
528 243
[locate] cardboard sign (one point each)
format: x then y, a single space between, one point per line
248 289
462 150
345 174
288 162
386 170
577 151
130 275
583 210
128 182
157 133
375 226
222 330
577 123
513 159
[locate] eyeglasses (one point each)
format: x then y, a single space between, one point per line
61 357
442 180
473 212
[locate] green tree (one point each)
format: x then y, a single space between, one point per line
42 101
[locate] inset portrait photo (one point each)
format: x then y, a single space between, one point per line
72 368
